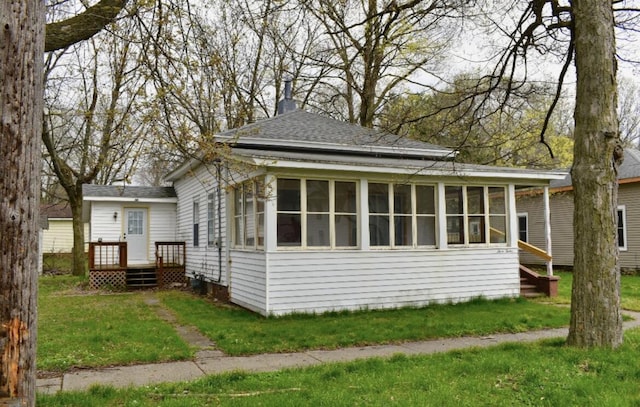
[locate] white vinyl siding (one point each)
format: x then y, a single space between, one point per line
313 282
202 260
248 280
161 224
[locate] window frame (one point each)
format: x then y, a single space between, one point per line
413 215
621 211
525 216
304 213
196 222
211 220
467 218
241 213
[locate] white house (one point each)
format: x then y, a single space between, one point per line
140 216
310 214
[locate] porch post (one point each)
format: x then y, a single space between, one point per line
547 228
363 212
442 217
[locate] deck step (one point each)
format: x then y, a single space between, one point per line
142 278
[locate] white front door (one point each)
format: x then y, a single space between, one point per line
136 235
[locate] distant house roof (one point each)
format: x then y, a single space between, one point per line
303 130
127 193
629 171
60 210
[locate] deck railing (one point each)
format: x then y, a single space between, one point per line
107 255
170 262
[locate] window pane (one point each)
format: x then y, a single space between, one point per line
239 240
403 236
249 218
289 229
402 199
346 230
210 217
425 199
378 198
522 228
498 229
497 200
454 200
426 230
317 196
345 197
318 230
476 229
455 230
475 199
620 228
260 230
288 194
379 230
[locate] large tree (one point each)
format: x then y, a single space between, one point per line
22 39
22 42
595 298
581 33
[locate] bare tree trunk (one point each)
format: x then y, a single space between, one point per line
595 297
21 101
79 258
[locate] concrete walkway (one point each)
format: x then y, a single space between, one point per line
209 361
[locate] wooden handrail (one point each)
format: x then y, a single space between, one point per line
527 247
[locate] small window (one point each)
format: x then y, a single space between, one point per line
210 220
196 223
523 227
622 228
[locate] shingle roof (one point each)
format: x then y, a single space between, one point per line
115 191
630 168
56 210
301 127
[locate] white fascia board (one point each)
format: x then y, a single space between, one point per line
315 145
179 172
128 199
495 174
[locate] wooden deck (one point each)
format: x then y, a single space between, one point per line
108 266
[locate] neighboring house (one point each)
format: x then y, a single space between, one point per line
57 233
531 218
139 216
310 214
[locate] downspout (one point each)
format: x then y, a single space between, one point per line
219 203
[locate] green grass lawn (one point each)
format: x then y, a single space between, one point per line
546 373
629 291
76 329
240 332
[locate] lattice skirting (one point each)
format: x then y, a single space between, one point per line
108 279
168 276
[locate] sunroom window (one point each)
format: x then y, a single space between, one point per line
475 214
409 208
316 213
248 215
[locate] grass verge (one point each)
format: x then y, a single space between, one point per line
545 373
240 332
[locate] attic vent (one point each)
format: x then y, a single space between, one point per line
287 104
